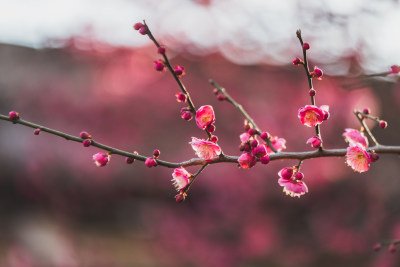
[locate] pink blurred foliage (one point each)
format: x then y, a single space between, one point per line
233 217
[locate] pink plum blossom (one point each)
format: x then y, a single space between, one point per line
259 151
205 116
286 173
394 69
205 149
314 141
150 162
358 158
291 185
355 137
325 110
180 178
311 115
278 143
293 188
244 137
247 160
101 159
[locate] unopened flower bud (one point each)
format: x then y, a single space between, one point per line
150 162
299 176
143 30
13 115
179 71
36 131
312 92
101 159
383 124
159 65
137 26
315 142
210 128
317 73
129 160
247 148
373 156
297 61
264 136
180 97
87 142
179 198
259 151
286 173
394 69
253 143
246 125
84 135
221 97
265 160
306 46
156 153
186 115
161 50
366 111
215 91
214 139
252 131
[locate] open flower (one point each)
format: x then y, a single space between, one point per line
180 178
247 160
205 116
278 143
358 158
292 186
355 137
205 149
312 115
101 159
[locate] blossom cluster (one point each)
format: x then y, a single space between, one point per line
253 149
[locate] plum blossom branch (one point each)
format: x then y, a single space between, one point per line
341 152
167 63
305 47
144 29
240 108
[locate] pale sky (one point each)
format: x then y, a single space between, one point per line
263 31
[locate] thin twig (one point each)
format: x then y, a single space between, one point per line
176 77
241 110
194 177
360 117
309 79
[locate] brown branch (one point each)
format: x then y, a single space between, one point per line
341 152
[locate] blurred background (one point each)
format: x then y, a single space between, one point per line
79 65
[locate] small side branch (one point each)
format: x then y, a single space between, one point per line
309 78
240 108
360 116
